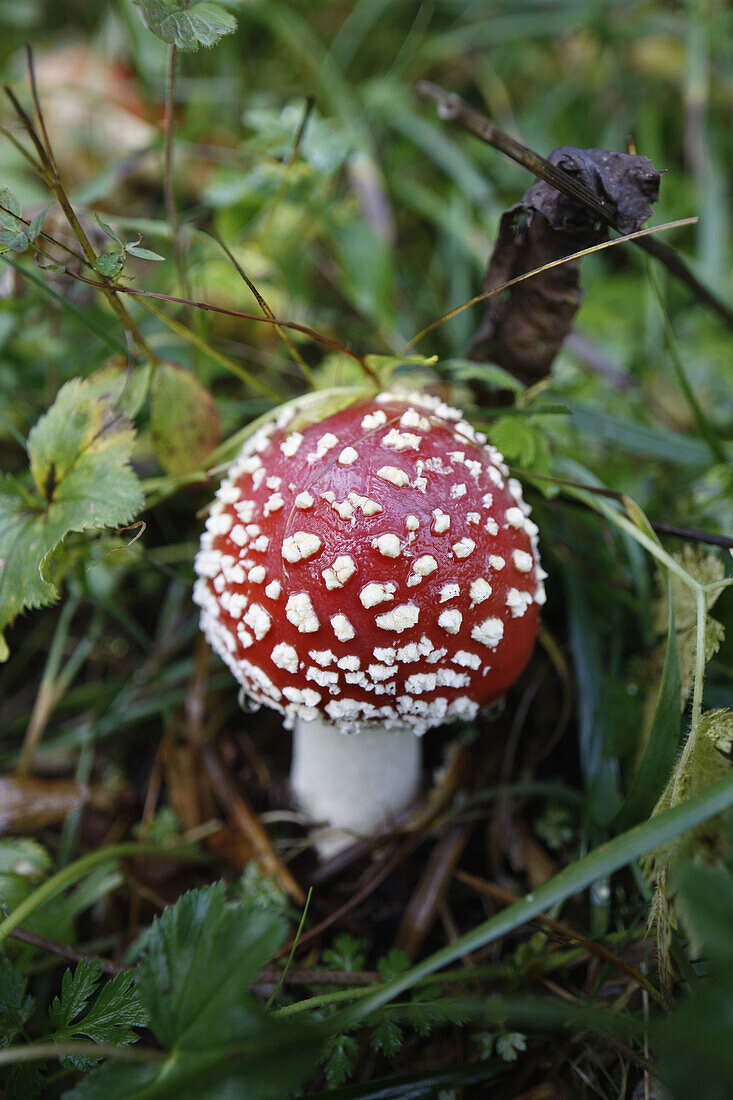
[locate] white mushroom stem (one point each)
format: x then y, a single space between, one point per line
355 784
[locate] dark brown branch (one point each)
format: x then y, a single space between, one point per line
452 108
690 534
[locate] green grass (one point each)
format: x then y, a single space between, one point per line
593 802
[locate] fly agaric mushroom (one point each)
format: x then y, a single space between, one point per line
370 575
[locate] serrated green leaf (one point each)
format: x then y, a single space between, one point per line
142 253
79 452
200 958
516 439
201 24
392 964
109 1020
348 953
387 1038
341 1050
110 264
76 990
509 1044
16 1009
184 422
124 388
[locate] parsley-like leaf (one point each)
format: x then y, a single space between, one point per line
108 1019
348 953
387 1038
340 1053
16 1008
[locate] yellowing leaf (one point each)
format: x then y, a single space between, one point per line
184 423
79 461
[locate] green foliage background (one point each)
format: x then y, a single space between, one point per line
382 223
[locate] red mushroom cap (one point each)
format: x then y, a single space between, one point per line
378 566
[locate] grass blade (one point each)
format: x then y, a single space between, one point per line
657 761
602 861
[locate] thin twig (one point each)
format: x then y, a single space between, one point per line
307 372
65 951
452 108
319 337
601 247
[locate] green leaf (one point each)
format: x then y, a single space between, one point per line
464 370
199 958
142 253
13 233
16 1009
705 905
348 953
108 230
509 1044
108 1020
110 264
387 1038
79 460
516 439
124 388
12 209
341 1050
663 740
394 963
184 422
15 240
36 225
705 759
16 1006
201 24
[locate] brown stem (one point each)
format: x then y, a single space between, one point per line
64 950
232 313
452 108
169 125
51 177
